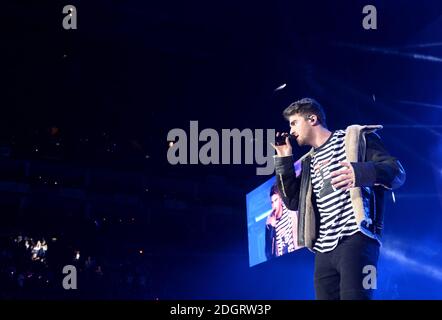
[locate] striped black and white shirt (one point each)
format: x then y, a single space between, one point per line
284 233
337 218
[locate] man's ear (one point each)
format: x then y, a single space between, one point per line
313 119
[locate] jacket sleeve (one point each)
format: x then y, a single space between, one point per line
270 242
287 182
380 168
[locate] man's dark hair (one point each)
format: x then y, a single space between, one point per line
306 107
274 190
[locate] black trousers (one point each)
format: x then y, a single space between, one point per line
339 274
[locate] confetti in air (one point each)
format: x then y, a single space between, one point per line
280 87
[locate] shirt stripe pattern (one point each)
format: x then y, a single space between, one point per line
337 218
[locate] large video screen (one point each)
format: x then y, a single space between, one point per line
272 228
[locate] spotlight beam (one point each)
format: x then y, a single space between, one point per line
435 106
387 51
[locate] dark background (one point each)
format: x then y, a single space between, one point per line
85 114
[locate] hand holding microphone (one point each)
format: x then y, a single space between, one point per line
282 145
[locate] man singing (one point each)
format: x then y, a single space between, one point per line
339 196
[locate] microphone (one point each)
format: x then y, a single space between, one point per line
280 140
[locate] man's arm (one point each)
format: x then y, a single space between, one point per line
380 168
288 183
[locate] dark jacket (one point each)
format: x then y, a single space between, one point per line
271 248
375 172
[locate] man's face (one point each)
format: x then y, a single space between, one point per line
301 128
276 205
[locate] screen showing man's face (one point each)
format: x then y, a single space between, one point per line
276 205
272 228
